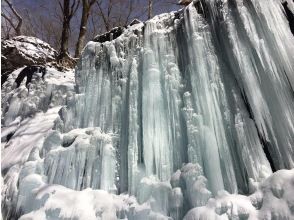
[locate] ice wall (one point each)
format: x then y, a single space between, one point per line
211 84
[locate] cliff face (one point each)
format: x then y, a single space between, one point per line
171 118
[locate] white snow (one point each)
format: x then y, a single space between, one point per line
38 95
268 202
27 135
55 77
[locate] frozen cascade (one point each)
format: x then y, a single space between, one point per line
179 90
178 112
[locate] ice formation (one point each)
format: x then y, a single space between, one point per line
185 116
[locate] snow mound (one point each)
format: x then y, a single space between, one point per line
273 199
37 200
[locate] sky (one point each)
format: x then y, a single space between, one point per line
38 13
166 5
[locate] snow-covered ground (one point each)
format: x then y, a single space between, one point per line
29 111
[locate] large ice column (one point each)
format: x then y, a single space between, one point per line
133 148
98 102
108 169
248 152
130 135
94 82
80 159
208 100
157 152
259 52
163 144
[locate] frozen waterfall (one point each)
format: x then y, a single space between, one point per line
188 104
210 85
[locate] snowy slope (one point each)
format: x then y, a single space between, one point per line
43 91
30 107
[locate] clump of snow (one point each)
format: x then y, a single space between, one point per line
40 200
63 203
268 202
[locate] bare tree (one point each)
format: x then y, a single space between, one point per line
87 4
105 14
11 18
150 8
113 13
6 29
68 8
78 21
130 11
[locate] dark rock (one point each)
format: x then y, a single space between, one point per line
135 21
289 15
111 35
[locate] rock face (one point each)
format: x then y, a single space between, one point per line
111 35
22 50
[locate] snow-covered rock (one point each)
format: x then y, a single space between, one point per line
25 51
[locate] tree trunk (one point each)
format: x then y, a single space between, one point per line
150 7
63 53
83 28
17 28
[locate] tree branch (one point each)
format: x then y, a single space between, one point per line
103 15
74 7
8 19
19 18
13 10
